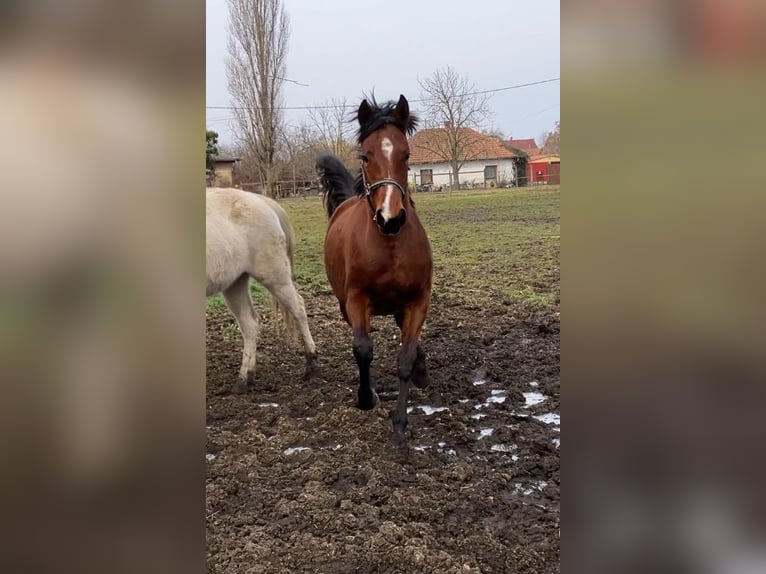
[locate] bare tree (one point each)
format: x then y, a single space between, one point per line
452 105
299 148
331 122
256 68
496 133
552 141
300 144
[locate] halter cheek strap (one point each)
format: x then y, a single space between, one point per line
369 188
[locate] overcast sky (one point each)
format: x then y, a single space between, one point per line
342 48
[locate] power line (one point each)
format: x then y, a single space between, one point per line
296 82
537 113
508 88
330 106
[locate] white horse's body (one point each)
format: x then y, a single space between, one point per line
248 235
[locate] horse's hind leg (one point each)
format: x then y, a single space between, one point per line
238 299
420 377
289 298
411 324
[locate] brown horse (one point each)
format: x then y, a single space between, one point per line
377 254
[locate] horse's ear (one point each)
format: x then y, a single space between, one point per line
402 110
364 114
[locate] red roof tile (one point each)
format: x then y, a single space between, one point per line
527 145
430 146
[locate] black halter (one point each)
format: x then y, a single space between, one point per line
369 188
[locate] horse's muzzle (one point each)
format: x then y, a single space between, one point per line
393 225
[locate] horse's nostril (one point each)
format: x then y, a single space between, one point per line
402 217
379 217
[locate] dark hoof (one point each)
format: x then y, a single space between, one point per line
421 380
368 402
312 368
240 387
399 438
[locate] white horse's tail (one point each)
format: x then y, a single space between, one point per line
285 322
291 329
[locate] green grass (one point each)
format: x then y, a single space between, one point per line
488 245
259 294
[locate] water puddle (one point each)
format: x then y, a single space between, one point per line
294 449
485 432
427 410
549 418
478 416
533 398
440 448
556 441
538 486
495 397
209 457
271 405
534 384
479 383
505 448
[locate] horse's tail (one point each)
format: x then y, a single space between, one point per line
287 229
285 322
282 315
336 180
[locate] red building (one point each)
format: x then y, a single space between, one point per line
544 170
527 145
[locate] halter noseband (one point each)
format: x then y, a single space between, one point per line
369 188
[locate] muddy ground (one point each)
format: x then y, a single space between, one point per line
299 480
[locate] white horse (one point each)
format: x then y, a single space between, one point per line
248 235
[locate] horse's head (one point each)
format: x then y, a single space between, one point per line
384 153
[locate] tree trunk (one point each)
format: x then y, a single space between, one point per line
456 176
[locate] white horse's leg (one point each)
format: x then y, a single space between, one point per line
238 299
285 292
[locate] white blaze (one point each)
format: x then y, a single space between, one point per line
387 148
386 211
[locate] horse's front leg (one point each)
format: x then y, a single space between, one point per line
410 362
358 312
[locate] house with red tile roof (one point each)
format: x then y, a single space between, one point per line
484 160
527 145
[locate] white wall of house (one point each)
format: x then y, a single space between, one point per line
471 171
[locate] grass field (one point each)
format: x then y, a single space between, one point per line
487 244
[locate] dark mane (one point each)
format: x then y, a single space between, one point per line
383 115
338 182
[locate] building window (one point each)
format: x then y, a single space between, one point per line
490 172
426 176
